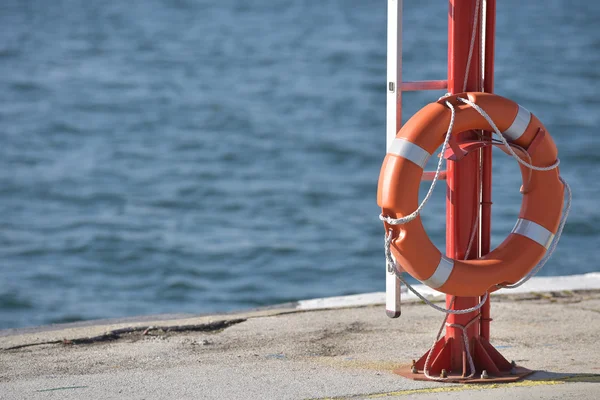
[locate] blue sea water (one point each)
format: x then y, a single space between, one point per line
195 156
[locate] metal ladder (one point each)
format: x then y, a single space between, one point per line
395 87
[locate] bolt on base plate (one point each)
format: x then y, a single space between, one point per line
515 375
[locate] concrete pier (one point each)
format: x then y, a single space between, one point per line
327 348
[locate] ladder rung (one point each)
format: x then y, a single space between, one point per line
428 175
424 85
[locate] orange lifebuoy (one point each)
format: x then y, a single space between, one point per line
541 207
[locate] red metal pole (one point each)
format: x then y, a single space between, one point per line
462 200
468 195
486 185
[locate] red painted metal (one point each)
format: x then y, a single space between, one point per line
462 199
428 176
486 184
515 374
469 180
454 147
424 85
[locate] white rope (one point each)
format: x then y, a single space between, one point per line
482 43
393 266
554 243
471 45
415 214
465 336
565 214
503 139
467 68
473 234
476 223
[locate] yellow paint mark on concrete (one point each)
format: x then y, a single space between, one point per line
447 389
460 388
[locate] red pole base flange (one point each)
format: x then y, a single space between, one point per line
485 357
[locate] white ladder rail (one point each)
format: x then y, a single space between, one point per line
395 86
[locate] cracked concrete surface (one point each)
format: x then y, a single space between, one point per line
286 354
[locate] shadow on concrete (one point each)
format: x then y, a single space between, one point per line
564 377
